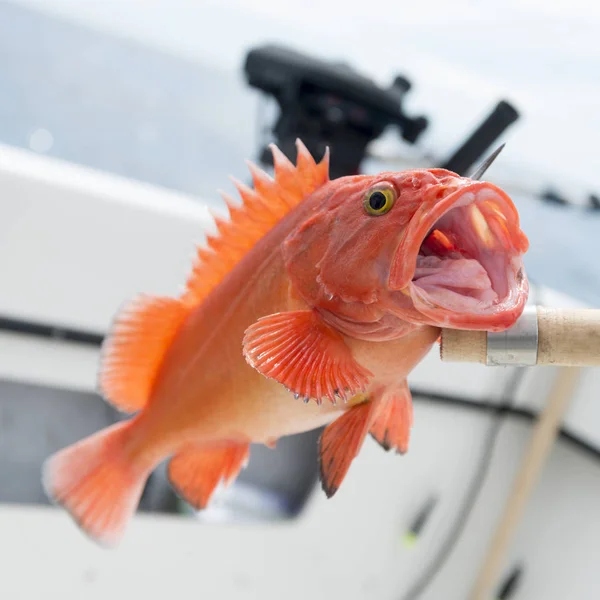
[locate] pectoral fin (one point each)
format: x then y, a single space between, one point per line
304 354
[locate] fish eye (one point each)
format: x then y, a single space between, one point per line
379 200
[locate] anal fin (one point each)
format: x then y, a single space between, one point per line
340 443
196 471
393 418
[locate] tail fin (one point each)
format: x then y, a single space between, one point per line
96 483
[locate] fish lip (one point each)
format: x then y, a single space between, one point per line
499 315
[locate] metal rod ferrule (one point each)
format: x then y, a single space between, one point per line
517 346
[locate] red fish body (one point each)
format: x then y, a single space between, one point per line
310 307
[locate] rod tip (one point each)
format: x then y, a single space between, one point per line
485 165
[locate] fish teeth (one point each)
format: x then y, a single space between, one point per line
481 226
501 232
494 207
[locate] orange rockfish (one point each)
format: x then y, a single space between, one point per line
329 291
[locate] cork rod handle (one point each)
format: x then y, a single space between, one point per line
566 337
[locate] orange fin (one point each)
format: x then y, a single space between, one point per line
304 354
96 483
196 471
393 419
340 443
134 350
262 208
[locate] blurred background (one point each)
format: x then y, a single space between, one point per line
120 120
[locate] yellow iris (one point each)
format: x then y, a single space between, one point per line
379 200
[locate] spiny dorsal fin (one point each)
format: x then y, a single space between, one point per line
144 329
262 207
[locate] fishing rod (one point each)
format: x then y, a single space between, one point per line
331 105
541 336
564 338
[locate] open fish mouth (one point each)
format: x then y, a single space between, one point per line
466 263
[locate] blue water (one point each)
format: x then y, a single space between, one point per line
128 109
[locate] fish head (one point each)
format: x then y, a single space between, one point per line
460 259
422 246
